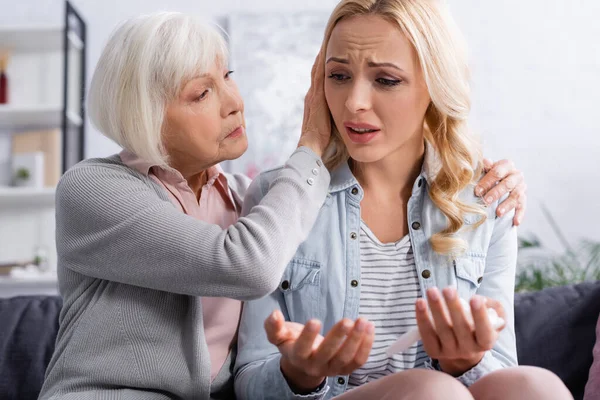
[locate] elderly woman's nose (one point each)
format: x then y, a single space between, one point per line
232 101
359 97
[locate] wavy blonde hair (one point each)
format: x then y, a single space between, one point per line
439 46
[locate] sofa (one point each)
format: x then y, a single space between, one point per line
555 329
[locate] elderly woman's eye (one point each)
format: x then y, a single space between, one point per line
203 95
228 74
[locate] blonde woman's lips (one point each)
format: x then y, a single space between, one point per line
361 133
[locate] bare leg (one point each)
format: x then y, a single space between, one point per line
409 385
520 383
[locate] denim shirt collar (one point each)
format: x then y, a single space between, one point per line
342 177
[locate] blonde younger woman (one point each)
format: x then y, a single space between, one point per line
400 223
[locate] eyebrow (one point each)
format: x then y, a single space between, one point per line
195 77
370 63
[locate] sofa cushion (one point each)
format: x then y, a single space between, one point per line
555 329
28 331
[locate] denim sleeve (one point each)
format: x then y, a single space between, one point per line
499 284
257 368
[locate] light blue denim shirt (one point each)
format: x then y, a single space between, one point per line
323 279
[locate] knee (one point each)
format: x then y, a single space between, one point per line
521 383
432 385
439 385
540 381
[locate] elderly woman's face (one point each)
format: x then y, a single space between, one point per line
205 125
374 87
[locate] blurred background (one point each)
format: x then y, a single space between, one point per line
536 99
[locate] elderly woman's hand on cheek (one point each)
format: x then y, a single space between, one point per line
450 336
307 358
316 126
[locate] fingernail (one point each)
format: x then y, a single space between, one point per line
501 211
361 325
489 199
449 293
434 294
479 191
476 303
274 316
421 305
371 328
518 221
347 325
312 326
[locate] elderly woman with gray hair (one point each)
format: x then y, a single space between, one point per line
154 259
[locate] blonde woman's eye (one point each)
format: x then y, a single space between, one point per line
389 82
228 74
338 77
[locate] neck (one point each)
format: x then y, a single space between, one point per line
196 182
196 176
396 173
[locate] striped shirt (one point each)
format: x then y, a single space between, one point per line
389 290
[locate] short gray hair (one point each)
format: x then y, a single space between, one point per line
144 65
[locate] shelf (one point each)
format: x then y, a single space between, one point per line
43 280
26 197
34 117
43 285
30 39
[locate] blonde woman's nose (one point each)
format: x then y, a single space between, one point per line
359 98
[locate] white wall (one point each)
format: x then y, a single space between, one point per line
536 81
537 94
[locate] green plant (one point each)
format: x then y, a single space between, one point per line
23 174
539 267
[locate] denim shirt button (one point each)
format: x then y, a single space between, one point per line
420 182
416 226
426 274
353 236
341 380
480 279
354 283
285 285
354 191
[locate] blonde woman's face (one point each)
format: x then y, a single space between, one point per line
205 125
374 87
